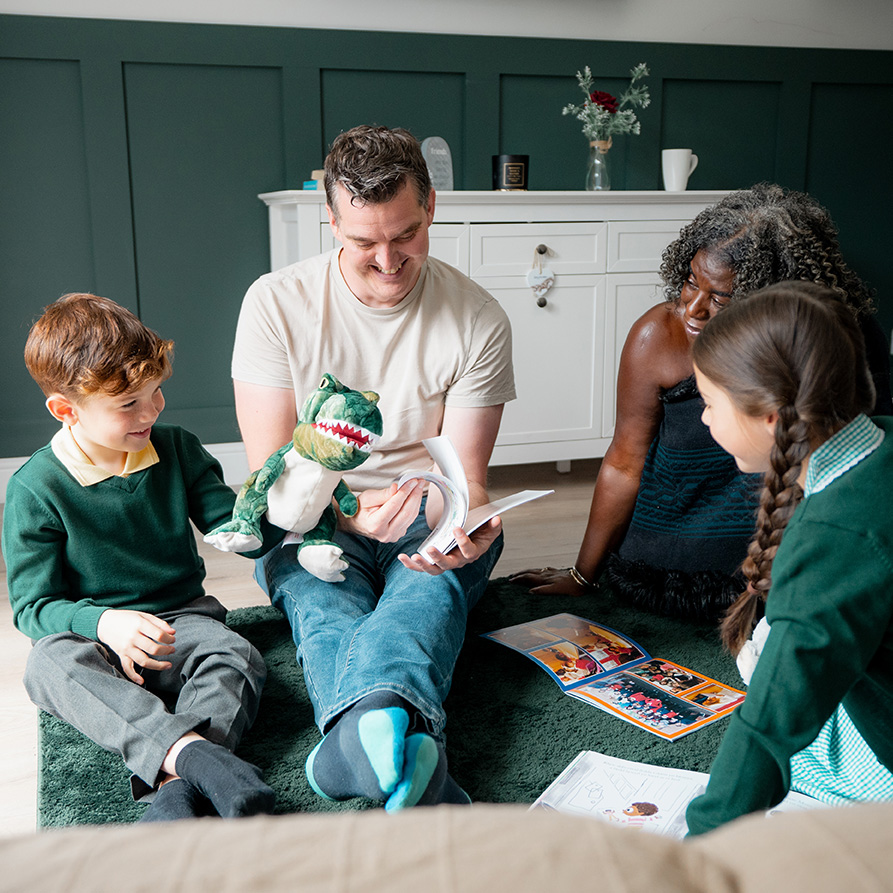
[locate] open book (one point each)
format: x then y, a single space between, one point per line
453 485
601 667
638 795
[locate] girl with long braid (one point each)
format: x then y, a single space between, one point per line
786 390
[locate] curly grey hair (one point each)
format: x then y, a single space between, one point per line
764 235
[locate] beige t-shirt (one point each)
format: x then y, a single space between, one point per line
448 342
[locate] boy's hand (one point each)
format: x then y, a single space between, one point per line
137 638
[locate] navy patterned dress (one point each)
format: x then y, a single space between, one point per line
694 517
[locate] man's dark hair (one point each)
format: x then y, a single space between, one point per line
373 163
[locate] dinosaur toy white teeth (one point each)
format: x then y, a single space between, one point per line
346 434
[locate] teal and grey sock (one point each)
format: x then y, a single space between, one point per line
234 786
425 780
362 755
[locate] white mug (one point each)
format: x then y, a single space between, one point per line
677 165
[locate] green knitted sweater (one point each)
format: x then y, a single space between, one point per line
831 615
72 551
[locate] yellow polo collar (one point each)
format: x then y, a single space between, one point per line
85 472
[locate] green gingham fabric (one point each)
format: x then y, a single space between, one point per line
839 767
841 452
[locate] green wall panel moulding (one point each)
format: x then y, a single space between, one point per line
132 153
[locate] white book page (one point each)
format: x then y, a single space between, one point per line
795 801
453 485
447 460
483 513
637 795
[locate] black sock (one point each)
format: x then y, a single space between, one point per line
452 793
177 799
234 786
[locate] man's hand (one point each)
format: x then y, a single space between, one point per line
467 550
385 515
138 639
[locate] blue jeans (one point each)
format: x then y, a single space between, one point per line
385 628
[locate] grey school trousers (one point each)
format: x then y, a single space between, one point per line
213 687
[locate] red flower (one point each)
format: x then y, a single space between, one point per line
605 100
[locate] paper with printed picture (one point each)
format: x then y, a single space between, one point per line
608 670
636 795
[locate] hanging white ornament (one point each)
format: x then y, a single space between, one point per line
540 278
541 281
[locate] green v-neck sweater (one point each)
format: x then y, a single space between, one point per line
72 551
830 611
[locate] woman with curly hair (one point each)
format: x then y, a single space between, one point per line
671 514
786 388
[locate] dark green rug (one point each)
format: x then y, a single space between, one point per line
510 732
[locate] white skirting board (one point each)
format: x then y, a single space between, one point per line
230 455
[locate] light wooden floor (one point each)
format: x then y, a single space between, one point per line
546 531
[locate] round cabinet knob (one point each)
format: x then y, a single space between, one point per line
540 302
542 249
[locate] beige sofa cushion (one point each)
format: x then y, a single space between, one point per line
847 850
482 848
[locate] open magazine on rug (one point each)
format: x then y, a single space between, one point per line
600 666
636 795
453 485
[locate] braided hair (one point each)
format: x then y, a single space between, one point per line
796 350
766 234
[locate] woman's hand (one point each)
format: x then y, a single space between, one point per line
138 639
549 581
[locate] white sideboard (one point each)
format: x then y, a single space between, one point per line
604 249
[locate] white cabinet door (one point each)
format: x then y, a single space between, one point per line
557 368
628 296
510 249
447 242
636 246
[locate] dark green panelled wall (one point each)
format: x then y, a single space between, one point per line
131 155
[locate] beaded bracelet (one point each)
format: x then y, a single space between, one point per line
579 578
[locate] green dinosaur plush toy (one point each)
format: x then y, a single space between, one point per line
336 431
